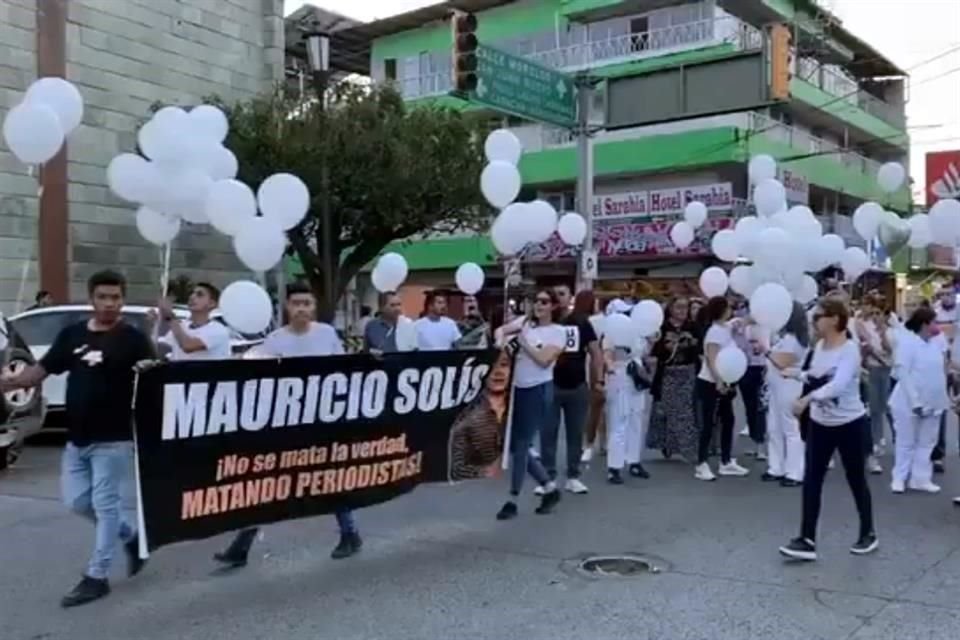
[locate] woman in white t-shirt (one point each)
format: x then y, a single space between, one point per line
785 447
838 422
715 396
539 341
917 403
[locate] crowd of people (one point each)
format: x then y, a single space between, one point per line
840 378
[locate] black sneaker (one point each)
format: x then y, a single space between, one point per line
349 545
613 476
800 549
790 482
637 471
87 590
231 558
548 502
769 477
134 563
866 544
938 466
507 511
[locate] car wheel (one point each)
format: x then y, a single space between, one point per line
20 401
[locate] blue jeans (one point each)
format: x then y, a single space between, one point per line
574 404
97 483
530 410
244 539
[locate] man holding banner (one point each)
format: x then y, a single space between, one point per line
302 337
100 354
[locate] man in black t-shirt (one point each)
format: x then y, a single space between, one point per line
571 396
100 355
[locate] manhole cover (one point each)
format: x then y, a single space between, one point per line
617 566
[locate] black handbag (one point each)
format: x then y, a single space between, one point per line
811 384
640 380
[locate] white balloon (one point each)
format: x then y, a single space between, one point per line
920 233
741 280
210 122
221 163
506 231
807 291
393 270
682 235
731 364
500 183
866 220
762 167
714 282
725 246
854 263
695 214
800 224
230 205
503 145
184 193
168 136
572 229
542 220
33 132
260 244
647 317
62 97
406 335
155 227
890 177
774 244
771 305
246 307
944 218
621 331
747 232
379 280
831 249
285 198
133 178
469 278
769 197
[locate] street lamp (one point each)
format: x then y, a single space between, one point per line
318 57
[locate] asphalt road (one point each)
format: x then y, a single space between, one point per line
436 564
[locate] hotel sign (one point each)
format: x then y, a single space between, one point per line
662 202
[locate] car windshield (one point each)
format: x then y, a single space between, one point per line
40 329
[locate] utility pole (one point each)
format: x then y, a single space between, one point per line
318 55
587 265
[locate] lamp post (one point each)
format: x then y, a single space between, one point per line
318 57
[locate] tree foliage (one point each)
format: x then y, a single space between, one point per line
394 171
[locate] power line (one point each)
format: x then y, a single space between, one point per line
936 77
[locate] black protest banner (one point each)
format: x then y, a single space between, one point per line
231 444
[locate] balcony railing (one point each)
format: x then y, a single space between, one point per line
656 42
808 143
847 89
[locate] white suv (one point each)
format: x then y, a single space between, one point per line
39 327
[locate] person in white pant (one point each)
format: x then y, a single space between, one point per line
625 410
917 402
785 448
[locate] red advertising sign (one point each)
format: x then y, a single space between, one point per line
634 240
943 175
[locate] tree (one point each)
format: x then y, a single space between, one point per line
394 171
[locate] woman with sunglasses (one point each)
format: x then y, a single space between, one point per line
917 402
539 342
837 423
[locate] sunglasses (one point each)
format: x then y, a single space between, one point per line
546 301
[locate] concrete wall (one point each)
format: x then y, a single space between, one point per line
124 55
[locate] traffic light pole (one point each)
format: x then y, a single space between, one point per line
585 86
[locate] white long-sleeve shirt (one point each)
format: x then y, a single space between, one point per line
837 402
921 377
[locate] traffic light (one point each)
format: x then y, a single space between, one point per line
781 44
464 51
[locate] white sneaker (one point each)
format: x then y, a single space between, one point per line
703 472
539 491
733 469
873 466
926 487
762 452
575 486
831 464
745 431
587 455
897 486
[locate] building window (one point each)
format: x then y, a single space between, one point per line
390 68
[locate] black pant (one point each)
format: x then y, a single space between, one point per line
751 386
940 451
713 407
821 443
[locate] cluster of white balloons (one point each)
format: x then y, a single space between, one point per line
645 320
683 233
520 224
35 129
